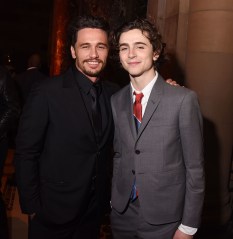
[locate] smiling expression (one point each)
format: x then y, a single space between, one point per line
90 51
136 54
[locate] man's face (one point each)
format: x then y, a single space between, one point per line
90 51
136 53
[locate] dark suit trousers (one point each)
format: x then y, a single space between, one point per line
131 225
87 227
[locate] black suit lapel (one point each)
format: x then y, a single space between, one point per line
125 110
69 81
109 126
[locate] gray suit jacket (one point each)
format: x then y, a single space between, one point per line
165 157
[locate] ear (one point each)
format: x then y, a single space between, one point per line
72 51
155 56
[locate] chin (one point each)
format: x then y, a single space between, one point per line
135 74
92 74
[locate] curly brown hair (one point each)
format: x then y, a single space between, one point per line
148 30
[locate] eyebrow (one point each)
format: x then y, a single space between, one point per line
88 43
135 43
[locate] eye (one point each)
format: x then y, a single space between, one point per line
123 48
102 47
140 47
84 46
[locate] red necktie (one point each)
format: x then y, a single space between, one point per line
137 109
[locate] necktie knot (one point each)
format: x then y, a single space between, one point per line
138 97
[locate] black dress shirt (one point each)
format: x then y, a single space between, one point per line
85 84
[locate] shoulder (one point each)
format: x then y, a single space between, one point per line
48 84
121 92
173 95
57 80
121 96
176 91
111 87
40 75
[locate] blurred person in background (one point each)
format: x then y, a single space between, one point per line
28 78
9 113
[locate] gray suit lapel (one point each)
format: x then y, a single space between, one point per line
129 110
152 103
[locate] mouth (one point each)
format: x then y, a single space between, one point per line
134 63
93 63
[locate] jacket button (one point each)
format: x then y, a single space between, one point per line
137 151
133 171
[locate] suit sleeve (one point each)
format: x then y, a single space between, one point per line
29 145
116 143
190 124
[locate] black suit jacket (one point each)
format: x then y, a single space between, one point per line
57 154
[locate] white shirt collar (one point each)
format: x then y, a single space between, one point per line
148 88
30 68
146 92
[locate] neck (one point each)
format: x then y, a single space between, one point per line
93 79
140 82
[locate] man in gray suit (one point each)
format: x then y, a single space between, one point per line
158 175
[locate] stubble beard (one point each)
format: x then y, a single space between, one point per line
90 72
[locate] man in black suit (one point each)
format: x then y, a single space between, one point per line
26 79
63 142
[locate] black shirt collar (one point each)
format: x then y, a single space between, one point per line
84 82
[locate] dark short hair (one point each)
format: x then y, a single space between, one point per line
86 21
148 30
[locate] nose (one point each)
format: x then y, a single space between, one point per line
132 53
94 52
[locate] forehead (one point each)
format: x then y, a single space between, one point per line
89 35
133 36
